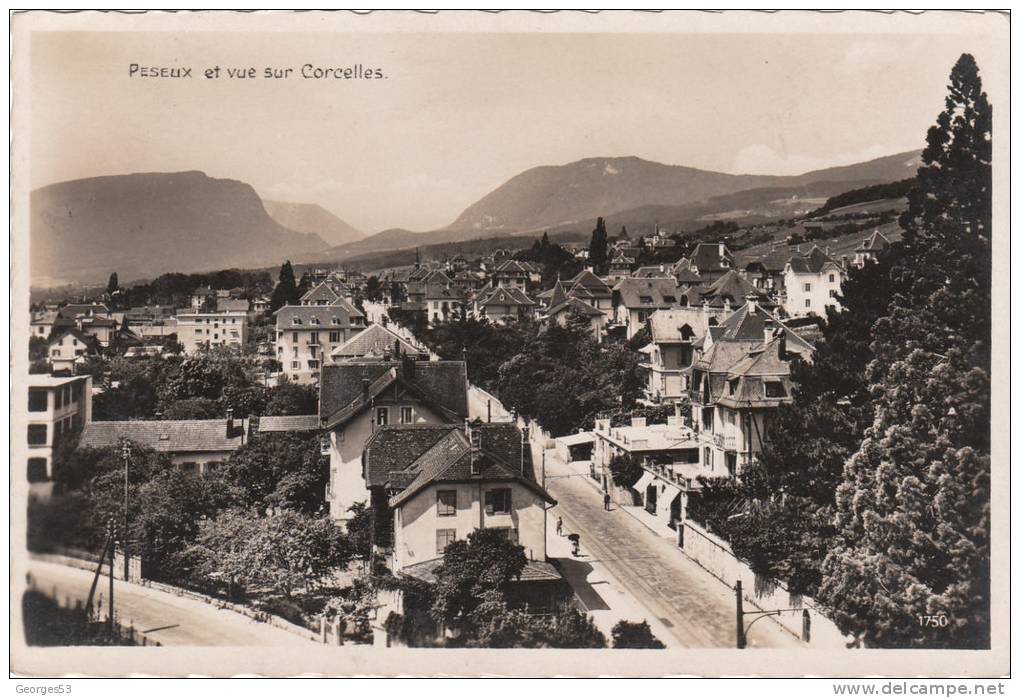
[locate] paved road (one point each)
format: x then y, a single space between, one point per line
697 608
163 617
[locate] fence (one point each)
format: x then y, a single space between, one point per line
716 556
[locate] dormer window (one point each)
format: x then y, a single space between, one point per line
315 321
775 389
297 321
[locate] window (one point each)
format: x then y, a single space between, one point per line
58 398
297 321
646 300
406 415
36 469
293 337
334 337
497 501
295 365
335 321
382 416
314 339
444 536
313 364
315 321
36 434
774 389
446 503
807 287
708 458
669 299
293 351
832 293
37 400
807 302
733 386
832 278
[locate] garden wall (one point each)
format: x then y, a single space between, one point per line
760 593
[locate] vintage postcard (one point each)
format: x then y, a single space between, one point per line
510 344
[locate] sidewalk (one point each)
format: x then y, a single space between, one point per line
598 591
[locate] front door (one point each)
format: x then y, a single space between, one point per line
651 498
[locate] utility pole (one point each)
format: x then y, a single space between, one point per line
125 451
741 637
113 554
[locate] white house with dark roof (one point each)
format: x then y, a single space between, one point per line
445 482
812 282
741 374
710 260
670 354
871 248
307 334
196 445
357 398
503 304
69 347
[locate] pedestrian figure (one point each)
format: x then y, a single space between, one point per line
605 501
559 526
575 538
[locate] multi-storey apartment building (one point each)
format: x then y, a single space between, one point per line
307 334
212 329
56 406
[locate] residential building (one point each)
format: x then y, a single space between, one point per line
516 274
767 273
503 304
377 342
669 454
684 275
564 307
322 294
674 332
203 299
212 329
636 299
43 323
57 406
813 283
443 302
446 482
356 398
620 267
710 260
306 335
591 289
68 349
871 248
740 375
196 445
731 290
655 271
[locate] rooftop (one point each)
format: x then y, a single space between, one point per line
168 436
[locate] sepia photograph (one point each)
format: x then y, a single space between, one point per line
471 343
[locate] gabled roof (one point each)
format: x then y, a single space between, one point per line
203 291
744 324
312 317
811 263
674 325
59 333
347 306
556 295
648 293
730 286
652 272
74 310
322 292
225 305
452 459
574 305
167 435
375 340
774 261
874 243
503 295
442 384
708 257
534 571
441 292
587 280
514 266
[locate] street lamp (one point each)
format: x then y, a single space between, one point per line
125 452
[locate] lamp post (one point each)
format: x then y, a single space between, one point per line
125 451
742 631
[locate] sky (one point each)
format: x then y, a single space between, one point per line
458 114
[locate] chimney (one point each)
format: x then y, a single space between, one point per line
752 306
396 348
782 345
230 422
407 367
722 247
662 267
726 304
843 262
364 389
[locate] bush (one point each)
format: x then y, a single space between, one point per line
625 471
635 636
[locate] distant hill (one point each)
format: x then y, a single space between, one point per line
312 218
141 225
636 193
564 194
